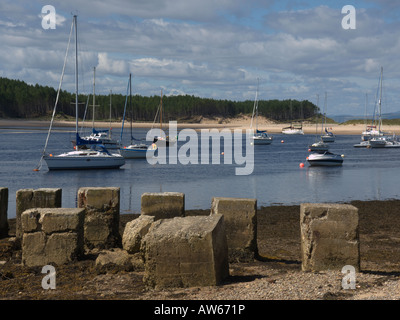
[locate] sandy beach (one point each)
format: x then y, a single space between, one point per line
235 123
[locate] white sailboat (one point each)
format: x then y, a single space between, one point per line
162 140
385 140
101 136
319 144
135 150
80 159
327 136
260 137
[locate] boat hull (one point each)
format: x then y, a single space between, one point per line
76 162
330 160
137 152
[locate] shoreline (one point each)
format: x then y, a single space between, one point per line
277 276
241 123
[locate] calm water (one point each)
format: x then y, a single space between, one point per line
366 174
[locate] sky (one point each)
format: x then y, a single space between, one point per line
213 49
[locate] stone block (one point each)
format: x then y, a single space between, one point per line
134 232
163 205
240 216
39 198
51 235
102 205
3 212
329 236
186 252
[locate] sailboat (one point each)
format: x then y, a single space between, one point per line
137 150
385 140
81 159
101 136
319 145
261 137
162 140
327 136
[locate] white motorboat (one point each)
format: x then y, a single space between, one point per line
260 137
80 159
325 159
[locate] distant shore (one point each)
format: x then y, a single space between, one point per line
236 123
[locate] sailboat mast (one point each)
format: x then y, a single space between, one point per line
161 115
130 102
110 113
76 72
94 94
380 101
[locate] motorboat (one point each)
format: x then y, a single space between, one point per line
325 159
384 142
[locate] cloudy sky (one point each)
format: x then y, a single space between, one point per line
298 49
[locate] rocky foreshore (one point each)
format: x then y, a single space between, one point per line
276 275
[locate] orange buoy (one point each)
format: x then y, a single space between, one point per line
301 165
282 141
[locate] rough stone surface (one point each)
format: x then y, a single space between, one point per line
240 216
101 228
134 232
186 252
114 260
3 212
329 236
51 235
163 205
39 198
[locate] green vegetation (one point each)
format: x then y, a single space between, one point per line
387 122
20 100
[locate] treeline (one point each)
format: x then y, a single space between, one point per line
20 100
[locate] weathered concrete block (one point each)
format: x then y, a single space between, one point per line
240 216
134 232
185 252
51 235
39 198
329 236
102 205
163 205
3 212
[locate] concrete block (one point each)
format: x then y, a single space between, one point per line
134 232
102 205
51 235
163 205
3 212
186 252
39 198
240 216
329 236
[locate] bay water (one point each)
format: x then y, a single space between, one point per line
277 178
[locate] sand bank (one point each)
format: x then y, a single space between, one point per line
241 123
